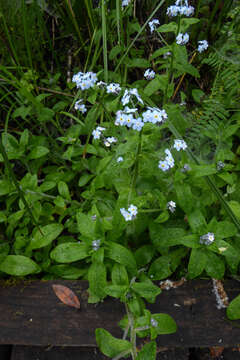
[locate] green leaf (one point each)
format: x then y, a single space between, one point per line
147 290
97 277
148 351
116 291
197 95
197 262
37 152
24 138
4 250
197 222
235 207
66 271
186 22
19 265
171 27
69 252
123 256
187 68
141 63
63 190
165 324
185 198
233 310
214 266
86 225
111 346
84 179
159 83
115 51
5 187
119 275
160 268
44 237
144 255
203 170
162 236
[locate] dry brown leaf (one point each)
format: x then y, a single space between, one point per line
216 351
66 295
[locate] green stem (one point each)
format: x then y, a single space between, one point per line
136 165
104 35
132 332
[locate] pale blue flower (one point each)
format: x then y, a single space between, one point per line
127 96
129 120
113 88
137 124
202 45
79 106
85 80
163 165
96 244
96 134
207 239
125 2
182 39
180 9
179 145
120 118
153 24
171 206
133 210
109 140
119 159
127 216
149 74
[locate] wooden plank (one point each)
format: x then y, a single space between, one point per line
55 353
33 315
81 353
5 352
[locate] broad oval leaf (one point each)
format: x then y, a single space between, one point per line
38 152
111 346
165 324
47 234
148 351
69 252
19 265
123 256
233 310
66 295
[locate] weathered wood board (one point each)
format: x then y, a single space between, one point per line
33 315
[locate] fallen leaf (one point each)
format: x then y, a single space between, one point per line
66 295
216 351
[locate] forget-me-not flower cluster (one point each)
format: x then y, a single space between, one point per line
79 106
125 2
128 94
149 74
130 213
109 141
180 8
85 80
153 24
154 115
202 45
182 39
98 132
179 145
207 239
171 206
113 88
168 162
